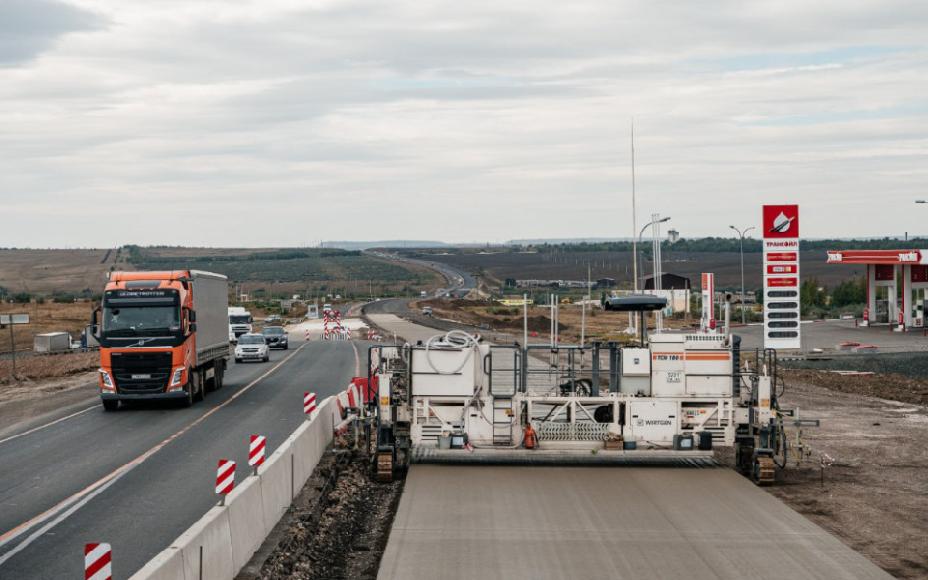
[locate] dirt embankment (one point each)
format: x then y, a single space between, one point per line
892 386
340 533
43 368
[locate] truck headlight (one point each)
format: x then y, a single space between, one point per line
106 380
177 377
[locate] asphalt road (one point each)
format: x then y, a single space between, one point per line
827 334
604 522
139 477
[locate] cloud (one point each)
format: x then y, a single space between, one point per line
180 121
29 27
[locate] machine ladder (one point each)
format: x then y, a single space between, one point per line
502 421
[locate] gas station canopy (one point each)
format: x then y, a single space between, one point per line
884 269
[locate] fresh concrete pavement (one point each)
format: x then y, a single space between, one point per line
139 477
601 522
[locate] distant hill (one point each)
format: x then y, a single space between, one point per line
361 245
257 271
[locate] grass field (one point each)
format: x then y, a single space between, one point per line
501 264
54 271
46 317
278 271
267 271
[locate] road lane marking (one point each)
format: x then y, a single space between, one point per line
357 361
55 422
94 488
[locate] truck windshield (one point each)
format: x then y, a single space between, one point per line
132 320
240 319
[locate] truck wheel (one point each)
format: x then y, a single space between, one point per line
197 379
238 361
267 357
110 404
188 400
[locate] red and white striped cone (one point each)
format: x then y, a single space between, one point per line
306 335
225 479
98 562
256 451
309 404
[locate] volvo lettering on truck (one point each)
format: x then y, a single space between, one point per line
163 335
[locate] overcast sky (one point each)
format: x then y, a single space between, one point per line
286 122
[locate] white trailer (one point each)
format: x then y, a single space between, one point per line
51 342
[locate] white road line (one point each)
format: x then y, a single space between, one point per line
55 422
92 490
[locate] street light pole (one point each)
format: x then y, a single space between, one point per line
641 234
741 235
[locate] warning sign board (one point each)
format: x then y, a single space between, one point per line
781 276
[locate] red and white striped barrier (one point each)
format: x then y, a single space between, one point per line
225 477
306 335
98 562
256 451
309 404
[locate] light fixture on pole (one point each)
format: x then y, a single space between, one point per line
741 234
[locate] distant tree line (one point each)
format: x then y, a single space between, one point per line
733 244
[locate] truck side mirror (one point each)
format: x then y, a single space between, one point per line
192 314
94 322
193 327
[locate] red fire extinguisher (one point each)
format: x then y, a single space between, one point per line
530 440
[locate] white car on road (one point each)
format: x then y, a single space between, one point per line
251 347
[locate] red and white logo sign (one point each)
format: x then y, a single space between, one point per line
225 476
256 450
781 221
98 562
309 403
781 271
876 257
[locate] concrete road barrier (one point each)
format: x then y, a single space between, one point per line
168 565
207 547
277 483
219 545
246 521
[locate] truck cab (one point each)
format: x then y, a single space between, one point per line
162 335
240 321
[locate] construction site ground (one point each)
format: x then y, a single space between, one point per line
875 493
336 529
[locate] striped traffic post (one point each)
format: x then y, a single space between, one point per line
225 479
256 451
309 404
98 563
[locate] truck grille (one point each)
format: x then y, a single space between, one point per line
141 372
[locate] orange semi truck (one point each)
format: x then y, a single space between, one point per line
163 335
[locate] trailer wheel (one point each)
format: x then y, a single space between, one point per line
220 374
110 404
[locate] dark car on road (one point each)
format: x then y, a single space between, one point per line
276 337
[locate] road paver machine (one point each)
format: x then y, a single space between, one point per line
663 399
